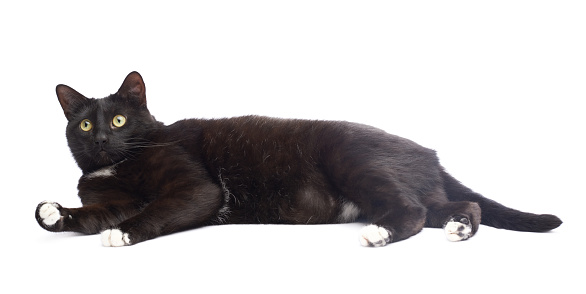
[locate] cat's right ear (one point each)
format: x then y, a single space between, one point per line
69 100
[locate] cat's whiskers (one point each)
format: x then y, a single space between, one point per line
147 144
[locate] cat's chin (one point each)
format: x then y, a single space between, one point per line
103 158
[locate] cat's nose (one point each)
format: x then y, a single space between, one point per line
101 140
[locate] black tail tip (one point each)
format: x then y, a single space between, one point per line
548 222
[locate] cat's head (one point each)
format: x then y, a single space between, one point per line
101 132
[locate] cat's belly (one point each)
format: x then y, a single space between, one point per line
307 205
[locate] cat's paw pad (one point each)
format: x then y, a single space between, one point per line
375 236
48 213
115 238
458 228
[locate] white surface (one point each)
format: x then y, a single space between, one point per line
497 88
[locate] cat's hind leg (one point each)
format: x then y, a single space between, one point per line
394 225
390 206
460 220
394 214
458 228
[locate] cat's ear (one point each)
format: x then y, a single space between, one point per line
133 88
69 100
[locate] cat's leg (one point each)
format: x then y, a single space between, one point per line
90 219
167 214
391 206
392 223
460 220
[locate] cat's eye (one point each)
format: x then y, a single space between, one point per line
86 125
119 121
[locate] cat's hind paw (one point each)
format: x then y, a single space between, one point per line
48 215
115 238
458 228
375 236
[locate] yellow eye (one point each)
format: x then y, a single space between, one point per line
86 125
119 121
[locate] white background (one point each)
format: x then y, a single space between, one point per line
496 87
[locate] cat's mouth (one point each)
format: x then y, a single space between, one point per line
103 158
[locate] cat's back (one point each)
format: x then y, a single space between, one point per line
252 129
261 129
267 139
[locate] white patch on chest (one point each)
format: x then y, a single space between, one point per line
348 212
104 172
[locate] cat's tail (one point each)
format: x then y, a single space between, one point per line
497 215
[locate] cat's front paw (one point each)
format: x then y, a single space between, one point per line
48 215
458 228
115 238
375 236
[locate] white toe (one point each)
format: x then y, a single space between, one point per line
114 238
49 213
456 231
375 236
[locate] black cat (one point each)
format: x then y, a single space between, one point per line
142 179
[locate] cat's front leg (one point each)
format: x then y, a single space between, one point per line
51 216
89 219
168 214
115 238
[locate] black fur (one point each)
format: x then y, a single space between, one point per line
147 179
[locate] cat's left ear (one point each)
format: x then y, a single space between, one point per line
70 100
133 89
